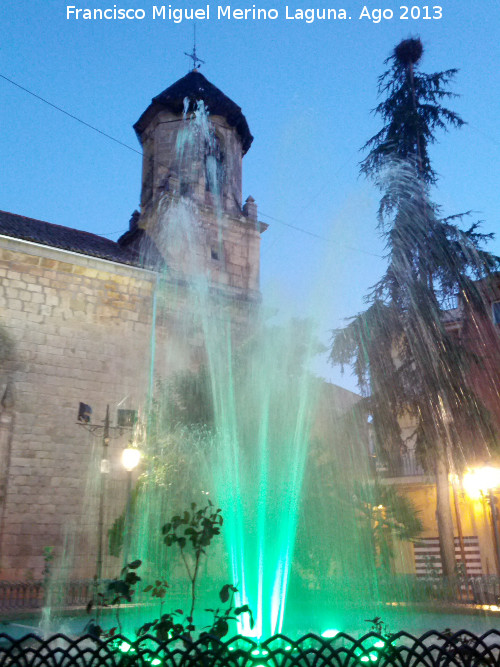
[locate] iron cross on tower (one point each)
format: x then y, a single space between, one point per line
196 61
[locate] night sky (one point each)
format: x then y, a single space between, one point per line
307 91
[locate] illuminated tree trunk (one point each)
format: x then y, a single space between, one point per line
444 517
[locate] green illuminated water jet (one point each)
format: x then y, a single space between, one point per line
233 418
237 415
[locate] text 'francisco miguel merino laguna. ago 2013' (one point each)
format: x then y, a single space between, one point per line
253 13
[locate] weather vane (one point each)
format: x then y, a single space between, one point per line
196 61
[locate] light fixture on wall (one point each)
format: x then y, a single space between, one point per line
84 413
126 418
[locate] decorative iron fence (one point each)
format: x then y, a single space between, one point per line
433 649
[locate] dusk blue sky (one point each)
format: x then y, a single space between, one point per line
307 91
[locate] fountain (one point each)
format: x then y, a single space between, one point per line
239 419
235 416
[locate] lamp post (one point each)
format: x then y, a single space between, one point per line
130 459
126 421
103 471
482 482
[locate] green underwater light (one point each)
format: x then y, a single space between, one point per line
329 634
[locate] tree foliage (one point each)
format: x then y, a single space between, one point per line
410 364
412 111
390 516
404 355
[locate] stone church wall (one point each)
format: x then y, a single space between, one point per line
81 329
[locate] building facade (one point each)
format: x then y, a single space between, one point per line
81 319
476 524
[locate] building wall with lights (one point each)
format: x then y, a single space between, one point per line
80 328
472 514
82 317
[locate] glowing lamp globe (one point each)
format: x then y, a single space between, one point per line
130 458
481 480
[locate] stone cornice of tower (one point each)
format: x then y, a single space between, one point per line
228 292
224 217
195 87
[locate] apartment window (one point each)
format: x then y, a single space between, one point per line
495 312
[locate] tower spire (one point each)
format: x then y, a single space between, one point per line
196 61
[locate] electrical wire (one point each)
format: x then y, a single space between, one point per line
108 136
318 236
79 120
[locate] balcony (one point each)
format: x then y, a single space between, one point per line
403 465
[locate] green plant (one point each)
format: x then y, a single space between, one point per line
193 531
172 625
221 618
389 516
48 557
385 646
115 536
117 591
158 590
379 626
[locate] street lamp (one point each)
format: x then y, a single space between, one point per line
130 460
481 483
126 420
104 469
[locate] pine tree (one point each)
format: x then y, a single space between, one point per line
411 367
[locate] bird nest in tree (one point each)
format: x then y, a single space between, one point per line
409 51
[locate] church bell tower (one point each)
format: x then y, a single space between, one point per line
204 170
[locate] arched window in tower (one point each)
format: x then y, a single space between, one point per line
214 164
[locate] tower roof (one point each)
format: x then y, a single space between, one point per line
194 86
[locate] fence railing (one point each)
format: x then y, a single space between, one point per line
462 589
451 303
462 649
33 595
405 464
484 590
